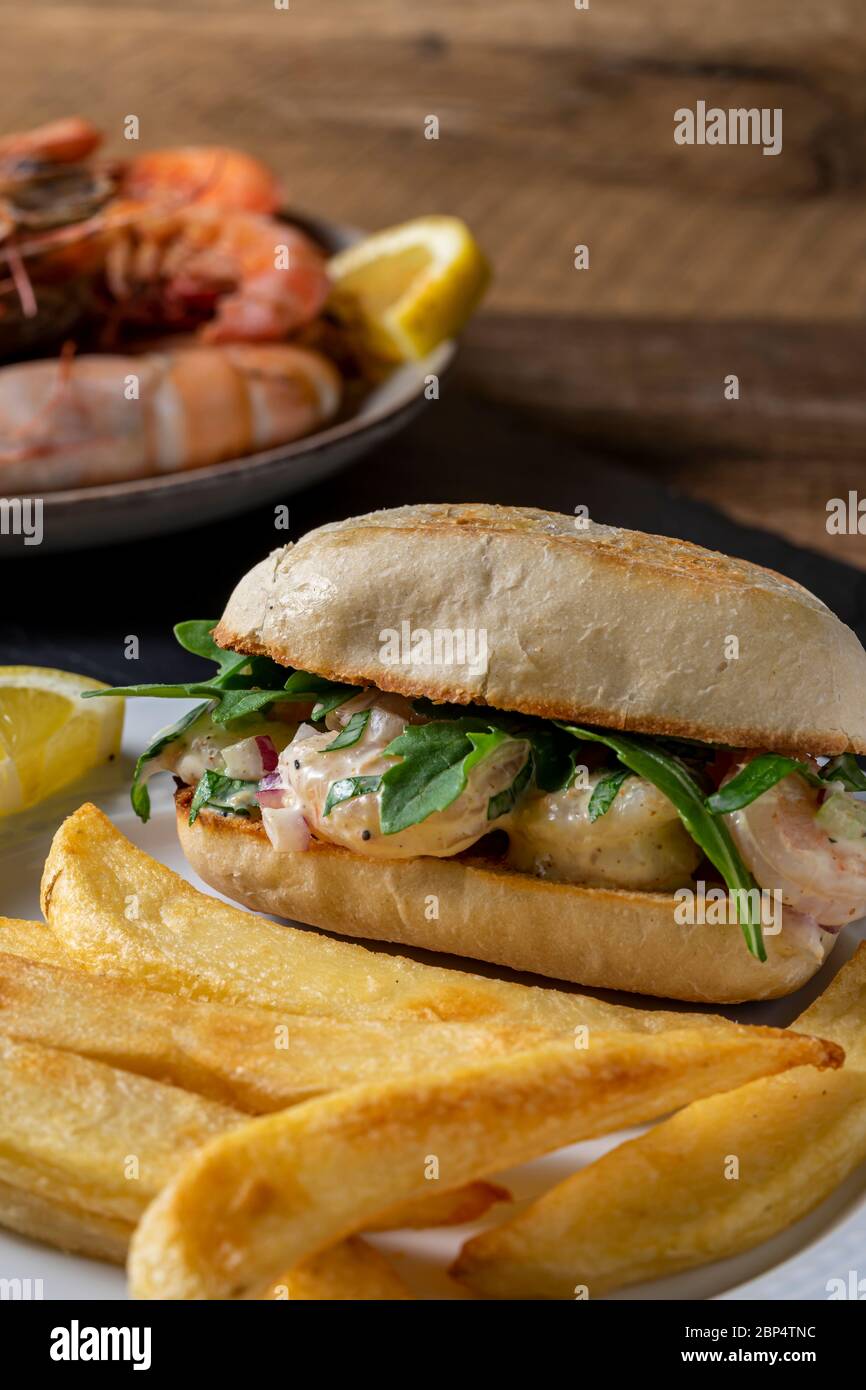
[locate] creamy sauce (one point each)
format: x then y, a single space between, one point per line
310 771
640 841
202 746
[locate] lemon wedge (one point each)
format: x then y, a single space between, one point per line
406 289
49 736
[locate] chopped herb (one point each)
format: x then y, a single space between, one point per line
847 770
215 790
347 788
351 733
605 790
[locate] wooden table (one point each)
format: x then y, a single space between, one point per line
555 129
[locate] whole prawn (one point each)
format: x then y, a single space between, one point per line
177 238
251 278
787 848
74 422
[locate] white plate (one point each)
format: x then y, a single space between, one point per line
797 1264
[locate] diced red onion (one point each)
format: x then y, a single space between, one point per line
272 799
270 756
286 829
271 790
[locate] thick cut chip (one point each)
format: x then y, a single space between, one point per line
718 1178
33 940
249 1058
116 911
85 1147
278 1190
70 1228
454 1208
91 1140
351 1271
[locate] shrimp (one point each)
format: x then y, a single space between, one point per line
211 175
260 279
45 181
171 238
73 423
309 770
65 141
786 848
640 841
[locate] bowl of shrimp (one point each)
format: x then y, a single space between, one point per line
170 351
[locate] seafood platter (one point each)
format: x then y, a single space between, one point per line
176 347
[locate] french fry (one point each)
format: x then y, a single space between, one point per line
274 1192
455 1208
248 1058
71 1128
89 1140
718 1178
70 1228
352 1270
33 940
118 912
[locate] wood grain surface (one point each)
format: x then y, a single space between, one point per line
555 129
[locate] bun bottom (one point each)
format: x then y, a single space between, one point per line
602 938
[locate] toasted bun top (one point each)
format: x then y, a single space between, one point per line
579 621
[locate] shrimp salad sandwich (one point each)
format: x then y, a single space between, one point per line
602 756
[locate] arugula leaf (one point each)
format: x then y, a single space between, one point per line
267 674
233 701
347 788
501 804
138 792
673 778
329 695
554 757
758 777
847 770
436 760
194 636
605 790
238 704
166 692
259 671
234 671
752 781
214 789
351 733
